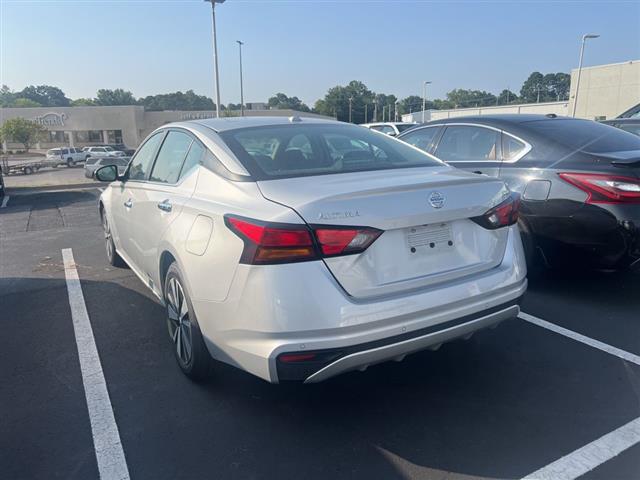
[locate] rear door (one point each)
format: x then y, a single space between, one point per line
473 148
423 138
161 199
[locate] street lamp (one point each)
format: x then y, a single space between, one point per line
424 97
350 103
575 97
215 53
241 90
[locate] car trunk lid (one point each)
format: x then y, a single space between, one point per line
425 215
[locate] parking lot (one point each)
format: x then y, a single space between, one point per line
524 400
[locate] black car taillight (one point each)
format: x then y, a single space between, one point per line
502 215
271 243
604 188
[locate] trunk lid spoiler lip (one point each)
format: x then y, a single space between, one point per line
624 159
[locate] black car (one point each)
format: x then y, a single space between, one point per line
579 180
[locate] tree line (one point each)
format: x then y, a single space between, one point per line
353 102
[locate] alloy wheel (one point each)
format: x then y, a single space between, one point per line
179 322
107 236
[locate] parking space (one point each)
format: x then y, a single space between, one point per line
505 404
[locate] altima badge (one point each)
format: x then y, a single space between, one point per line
436 199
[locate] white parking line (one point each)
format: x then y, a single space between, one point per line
5 200
106 438
586 458
630 357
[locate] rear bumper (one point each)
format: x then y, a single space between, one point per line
299 307
359 357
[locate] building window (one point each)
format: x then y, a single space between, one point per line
115 136
56 136
95 136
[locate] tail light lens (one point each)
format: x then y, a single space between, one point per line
603 188
502 215
272 243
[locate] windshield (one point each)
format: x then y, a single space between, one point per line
300 150
586 135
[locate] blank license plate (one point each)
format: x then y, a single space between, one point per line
430 236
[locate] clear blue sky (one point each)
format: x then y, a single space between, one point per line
305 47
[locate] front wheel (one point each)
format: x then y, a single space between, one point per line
188 345
70 162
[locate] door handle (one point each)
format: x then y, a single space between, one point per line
165 206
478 172
128 203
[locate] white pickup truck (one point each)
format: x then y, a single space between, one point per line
68 156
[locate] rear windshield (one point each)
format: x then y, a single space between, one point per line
301 150
586 135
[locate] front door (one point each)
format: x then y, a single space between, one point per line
471 147
159 202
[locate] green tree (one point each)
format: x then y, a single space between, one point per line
533 88
83 102
280 101
7 96
188 100
507 97
24 102
336 102
462 98
45 95
22 131
118 96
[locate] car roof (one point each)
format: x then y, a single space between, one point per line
499 120
621 121
233 123
373 124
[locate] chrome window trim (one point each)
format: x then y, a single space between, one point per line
527 145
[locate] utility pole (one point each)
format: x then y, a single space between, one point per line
241 89
365 112
350 102
538 99
575 97
424 97
215 53
375 112
395 112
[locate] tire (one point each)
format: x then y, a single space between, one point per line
113 258
27 170
188 345
70 162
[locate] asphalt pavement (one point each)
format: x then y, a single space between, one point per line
505 404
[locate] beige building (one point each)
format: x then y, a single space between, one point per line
606 90
81 126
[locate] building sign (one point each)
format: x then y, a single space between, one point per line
51 119
196 115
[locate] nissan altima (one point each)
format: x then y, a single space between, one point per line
298 248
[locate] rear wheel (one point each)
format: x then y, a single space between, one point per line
112 256
70 162
27 170
188 345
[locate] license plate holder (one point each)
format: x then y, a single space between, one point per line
429 237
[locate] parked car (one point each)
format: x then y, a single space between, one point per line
1 185
120 147
631 125
295 261
390 128
102 152
579 180
93 163
68 156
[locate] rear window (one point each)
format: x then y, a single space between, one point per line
402 128
302 150
586 135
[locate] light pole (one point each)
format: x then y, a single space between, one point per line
424 97
575 97
350 100
215 53
366 105
241 90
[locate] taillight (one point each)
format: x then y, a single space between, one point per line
270 243
343 241
502 215
603 188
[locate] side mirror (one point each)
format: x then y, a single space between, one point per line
108 173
